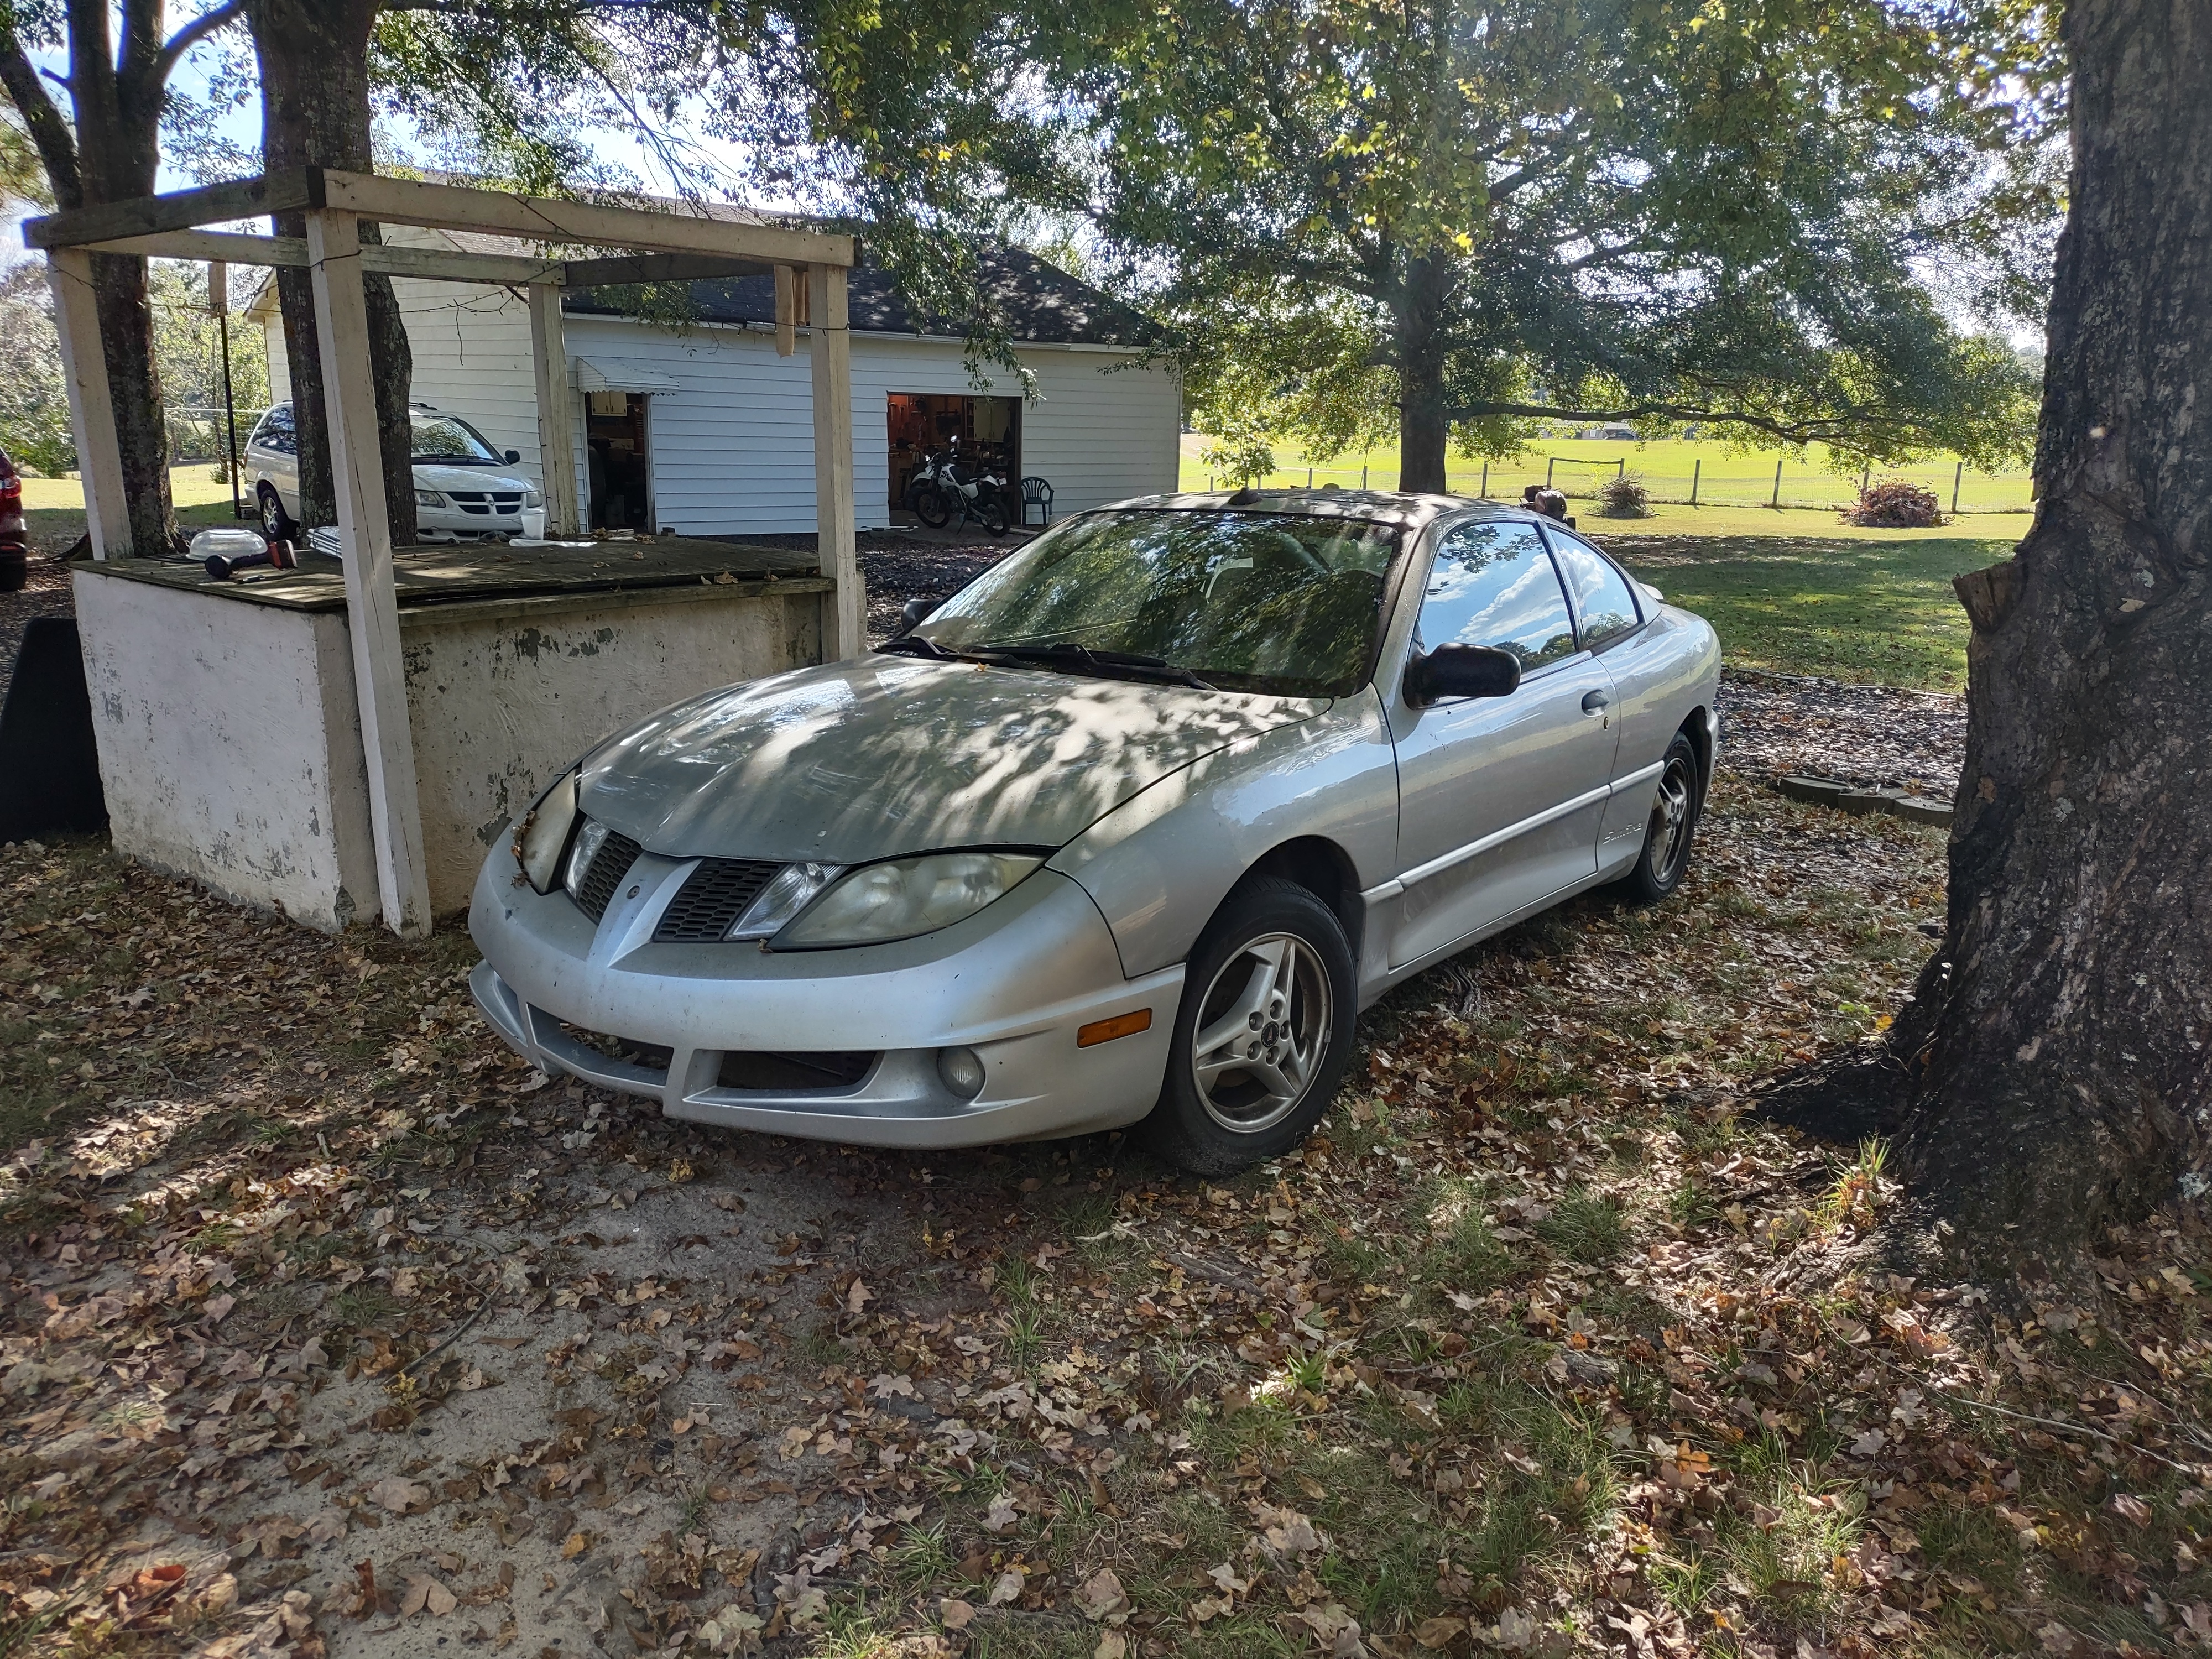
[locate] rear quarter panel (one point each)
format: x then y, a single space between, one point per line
1667 673
1159 865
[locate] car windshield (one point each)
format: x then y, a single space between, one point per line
1282 604
451 442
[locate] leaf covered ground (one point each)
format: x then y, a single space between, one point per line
329 1328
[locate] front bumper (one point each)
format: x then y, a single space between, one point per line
1013 983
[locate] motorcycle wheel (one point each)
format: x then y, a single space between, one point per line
931 508
991 510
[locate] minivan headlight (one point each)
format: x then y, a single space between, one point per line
542 834
903 897
428 498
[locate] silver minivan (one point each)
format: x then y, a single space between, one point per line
463 485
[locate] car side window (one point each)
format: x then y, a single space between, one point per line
1491 584
276 431
1603 597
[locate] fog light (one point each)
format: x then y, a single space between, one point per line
962 1070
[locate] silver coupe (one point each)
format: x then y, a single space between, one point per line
1125 831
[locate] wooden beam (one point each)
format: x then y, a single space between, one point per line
556 423
372 606
431 263
787 311
181 209
658 268
91 408
830 347
449 207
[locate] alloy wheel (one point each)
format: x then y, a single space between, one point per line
1263 1025
1670 823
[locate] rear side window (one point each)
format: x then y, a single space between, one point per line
1491 584
276 431
1602 599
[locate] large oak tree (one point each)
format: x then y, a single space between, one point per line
108 148
1457 214
2055 1062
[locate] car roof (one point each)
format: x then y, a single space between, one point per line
1409 508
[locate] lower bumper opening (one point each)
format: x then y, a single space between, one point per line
762 1072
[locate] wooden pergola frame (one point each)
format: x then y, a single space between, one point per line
809 268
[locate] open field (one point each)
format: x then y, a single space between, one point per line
53 508
1879 611
1743 478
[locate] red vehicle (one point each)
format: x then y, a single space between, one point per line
14 544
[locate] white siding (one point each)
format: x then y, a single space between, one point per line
733 451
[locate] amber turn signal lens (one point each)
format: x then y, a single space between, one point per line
1121 1025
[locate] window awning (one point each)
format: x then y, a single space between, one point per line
621 374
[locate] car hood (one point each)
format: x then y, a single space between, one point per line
431 476
889 756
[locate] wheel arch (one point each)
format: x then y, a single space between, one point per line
1323 869
1702 726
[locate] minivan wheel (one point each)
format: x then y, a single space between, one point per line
1673 828
276 523
1263 1033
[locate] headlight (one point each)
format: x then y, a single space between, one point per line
906 896
542 834
590 837
531 498
792 891
428 498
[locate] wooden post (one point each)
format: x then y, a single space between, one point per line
1777 502
787 311
1483 489
372 606
91 411
556 411
1697 471
1957 478
829 347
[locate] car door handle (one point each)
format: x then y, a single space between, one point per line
1596 703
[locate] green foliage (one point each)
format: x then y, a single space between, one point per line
34 416
1499 213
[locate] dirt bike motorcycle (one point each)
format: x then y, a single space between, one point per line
943 489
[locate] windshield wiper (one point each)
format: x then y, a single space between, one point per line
914 645
1067 652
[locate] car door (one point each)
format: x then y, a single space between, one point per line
1612 618
1500 797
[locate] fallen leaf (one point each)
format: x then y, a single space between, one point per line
576 1546
1008 1588
857 1296
1436 1633
398 1494
1101 1597
954 1613
1001 1514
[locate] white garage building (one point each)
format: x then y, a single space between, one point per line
703 429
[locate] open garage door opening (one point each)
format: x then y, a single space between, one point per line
982 431
619 431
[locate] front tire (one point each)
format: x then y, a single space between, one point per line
931 508
1263 1033
276 523
1673 828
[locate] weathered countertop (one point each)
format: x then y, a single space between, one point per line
442 572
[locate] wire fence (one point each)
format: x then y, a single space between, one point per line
1734 482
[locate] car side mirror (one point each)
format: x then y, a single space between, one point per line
513 456
1461 670
916 613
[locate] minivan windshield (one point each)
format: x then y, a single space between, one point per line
451 442
1282 604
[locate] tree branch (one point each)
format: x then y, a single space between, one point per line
48 130
207 23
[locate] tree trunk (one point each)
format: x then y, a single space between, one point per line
1423 428
2058 1053
315 113
110 153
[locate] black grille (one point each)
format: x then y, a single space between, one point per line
609 866
714 899
781 1073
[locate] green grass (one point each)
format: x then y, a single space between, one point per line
1880 613
1669 468
53 508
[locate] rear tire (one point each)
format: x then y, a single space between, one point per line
1675 805
276 523
931 508
993 512
1272 980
